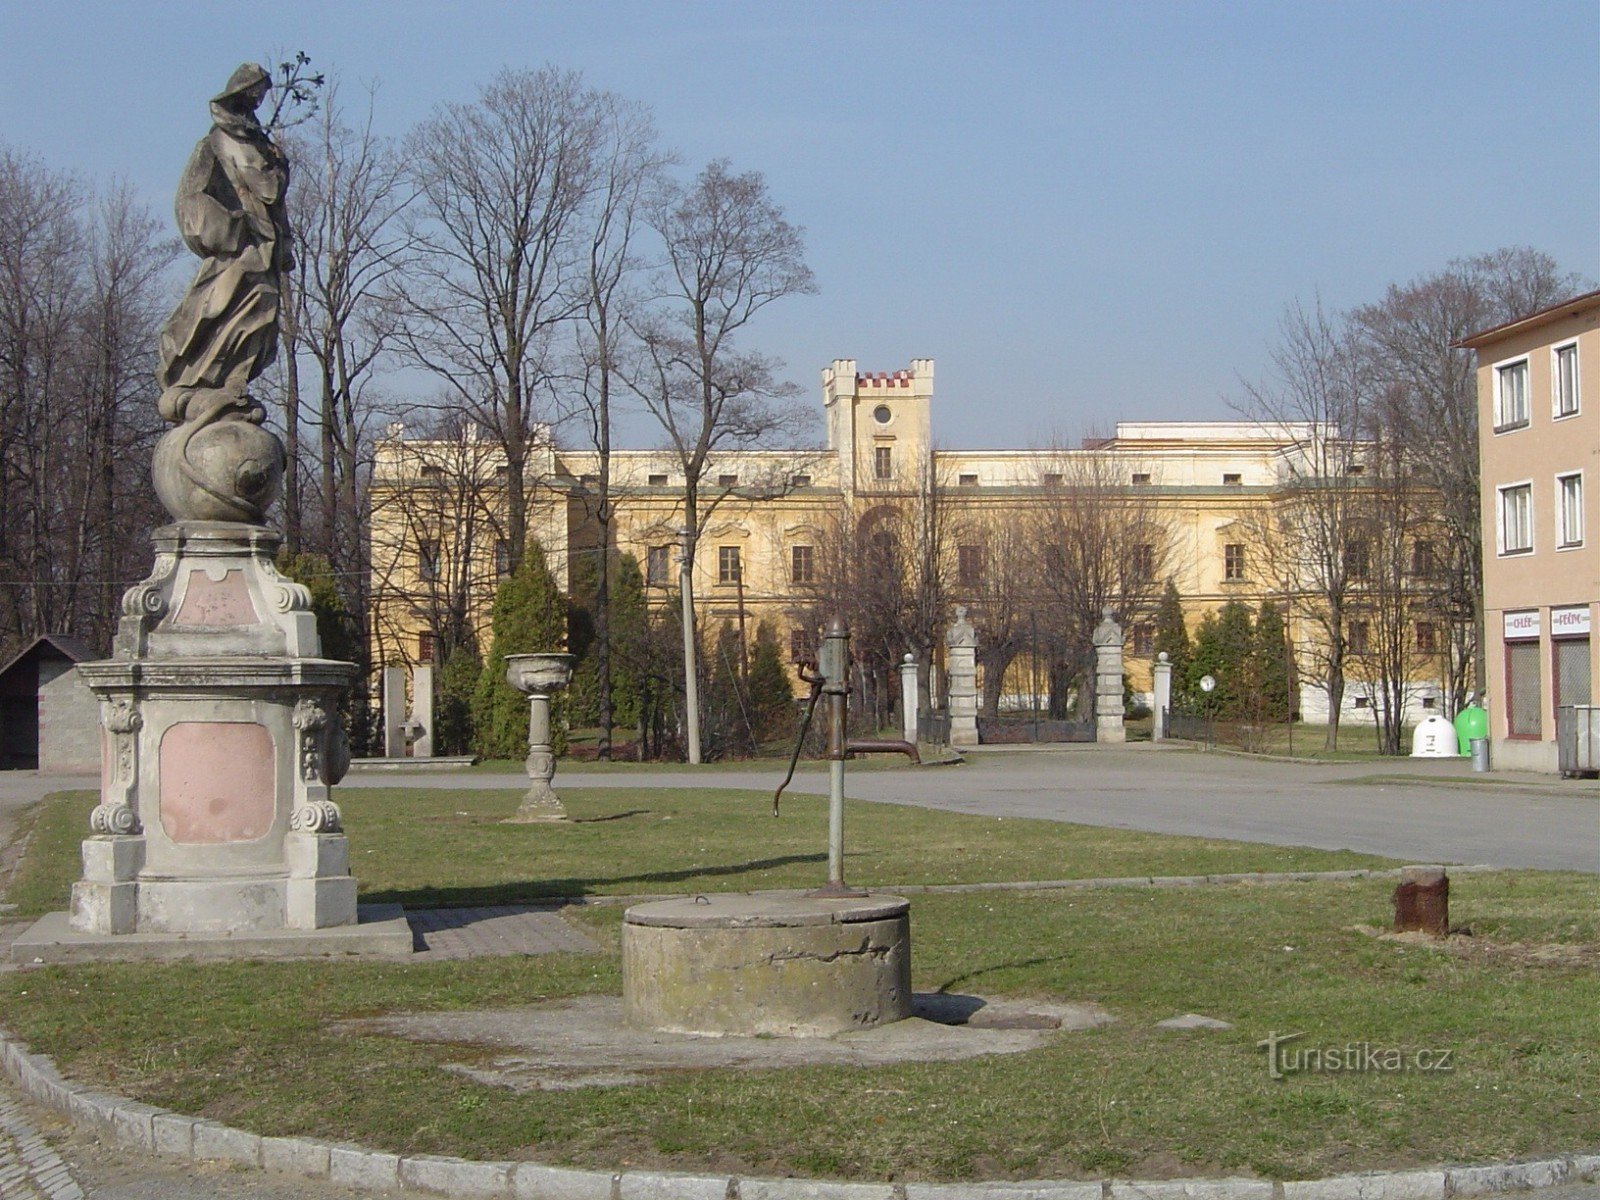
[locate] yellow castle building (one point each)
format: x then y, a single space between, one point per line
1010 534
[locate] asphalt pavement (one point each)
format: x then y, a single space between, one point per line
1425 810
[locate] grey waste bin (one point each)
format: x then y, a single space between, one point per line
1480 754
1578 740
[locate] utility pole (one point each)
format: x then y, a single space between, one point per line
691 666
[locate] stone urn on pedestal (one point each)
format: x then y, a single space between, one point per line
538 676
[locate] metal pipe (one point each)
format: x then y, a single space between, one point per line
883 746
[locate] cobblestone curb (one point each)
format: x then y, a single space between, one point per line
152 1130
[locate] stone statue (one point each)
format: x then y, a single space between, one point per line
961 634
219 464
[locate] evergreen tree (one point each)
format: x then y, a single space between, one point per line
452 704
335 626
529 616
1222 649
1270 669
771 693
1172 635
629 621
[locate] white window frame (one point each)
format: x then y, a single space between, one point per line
1501 492
1564 538
1556 413
1502 423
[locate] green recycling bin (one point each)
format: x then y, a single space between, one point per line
1471 722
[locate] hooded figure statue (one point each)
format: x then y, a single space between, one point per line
219 464
230 209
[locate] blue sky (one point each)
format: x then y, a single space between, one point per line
1084 212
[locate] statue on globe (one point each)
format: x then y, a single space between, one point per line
219 463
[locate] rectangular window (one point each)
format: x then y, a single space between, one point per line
657 480
1515 518
502 558
1051 479
799 481
727 481
1564 380
966 481
1511 395
1427 637
802 565
1233 562
1144 640
1571 677
1569 510
432 471
729 567
1141 478
1424 562
658 566
1522 690
428 560
1142 563
427 644
802 646
1357 559
969 565
883 462
1232 479
1359 637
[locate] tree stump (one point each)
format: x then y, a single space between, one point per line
1422 901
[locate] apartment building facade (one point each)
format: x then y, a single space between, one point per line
1539 437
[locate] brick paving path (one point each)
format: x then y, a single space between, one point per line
29 1168
440 934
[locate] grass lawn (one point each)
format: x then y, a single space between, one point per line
436 847
250 1043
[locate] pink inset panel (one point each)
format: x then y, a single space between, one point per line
216 782
207 601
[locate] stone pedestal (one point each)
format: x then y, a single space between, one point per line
394 712
961 683
1161 701
220 741
422 710
772 963
1108 707
538 676
908 699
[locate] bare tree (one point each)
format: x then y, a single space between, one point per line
1099 543
1428 390
124 302
351 190
1386 608
435 525
1315 402
729 252
996 577
628 163
502 185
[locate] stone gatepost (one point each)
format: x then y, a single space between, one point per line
394 712
422 711
908 698
1108 680
1161 675
961 684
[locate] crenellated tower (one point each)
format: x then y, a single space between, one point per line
880 426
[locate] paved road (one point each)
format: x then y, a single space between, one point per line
1424 810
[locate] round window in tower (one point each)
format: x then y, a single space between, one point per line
881 414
